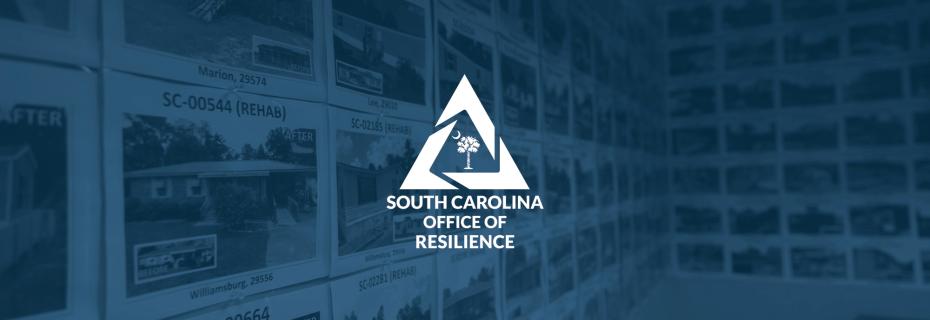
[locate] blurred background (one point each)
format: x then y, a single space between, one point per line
195 159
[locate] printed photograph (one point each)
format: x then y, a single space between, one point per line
883 264
925 264
755 220
876 177
408 295
751 137
625 226
700 257
523 279
590 306
815 220
883 219
695 219
580 40
885 37
924 33
747 14
623 183
55 14
922 211
866 5
606 180
749 95
204 200
698 140
586 249
920 73
518 87
696 180
752 179
810 135
798 10
922 127
811 45
689 21
470 290
749 53
757 261
605 56
806 91
612 298
556 102
584 182
874 85
528 157
275 37
553 24
560 266
621 125
922 174
369 167
692 101
558 179
875 130
691 60
582 110
609 251
34 213
482 11
379 48
461 50
818 263
813 177
517 20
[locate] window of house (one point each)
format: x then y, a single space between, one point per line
194 187
161 188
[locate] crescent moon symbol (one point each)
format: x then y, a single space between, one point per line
458 134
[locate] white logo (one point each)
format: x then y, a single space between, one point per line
507 178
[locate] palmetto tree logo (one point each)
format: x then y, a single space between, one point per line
468 145
464 100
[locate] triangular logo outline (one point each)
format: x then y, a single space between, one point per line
420 176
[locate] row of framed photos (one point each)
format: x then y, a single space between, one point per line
868 264
549 274
208 195
849 134
906 36
710 18
797 140
801 90
354 54
800 218
817 177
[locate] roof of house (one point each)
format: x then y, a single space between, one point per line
219 169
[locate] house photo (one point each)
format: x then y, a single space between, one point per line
222 198
368 169
34 212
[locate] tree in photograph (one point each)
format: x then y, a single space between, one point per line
413 311
233 204
468 145
279 147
